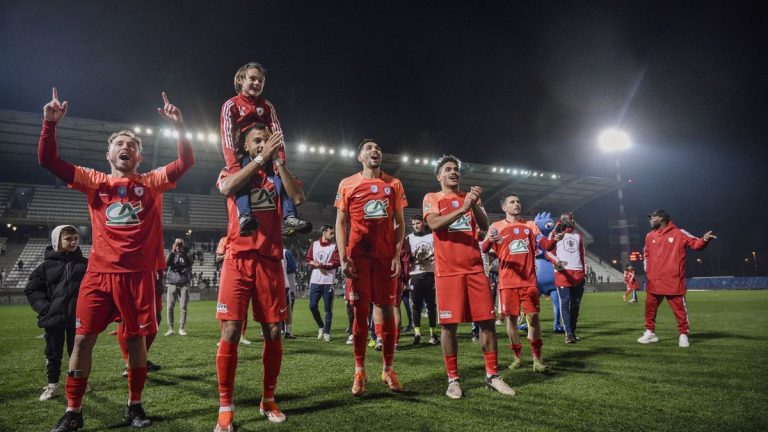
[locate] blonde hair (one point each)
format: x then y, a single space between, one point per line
127 133
240 74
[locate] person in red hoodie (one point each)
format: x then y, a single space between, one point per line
665 272
632 283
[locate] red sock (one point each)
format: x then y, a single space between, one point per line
377 330
536 348
491 367
388 339
452 366
75 390
123 342
360 333
517 349
226 366
271 358
136 379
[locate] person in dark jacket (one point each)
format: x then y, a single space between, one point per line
52 292
177 279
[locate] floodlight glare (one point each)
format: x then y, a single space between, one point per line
137 129
200 136
494 169
175 134
417 161
425 161
331 151
514 172
166 133
404 159
148 131
212 138
302 148
321 150
508 170
312 149
554 176
613 140
189 135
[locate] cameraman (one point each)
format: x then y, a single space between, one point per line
177 280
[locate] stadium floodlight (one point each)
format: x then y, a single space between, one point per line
148 131
515 171
312 149
554 176
189 135
404 159
509 170
613 140
167 133
302 148
331 150
321 150
14 228
200 136
8 225
212 138
494 169
137 129
175 134
417 161
425 161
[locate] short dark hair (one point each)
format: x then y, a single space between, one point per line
68 230
364 142
245 130
444 160
326 227
417 217
504 198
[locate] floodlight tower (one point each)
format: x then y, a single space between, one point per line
615 141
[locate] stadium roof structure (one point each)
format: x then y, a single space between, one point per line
83 142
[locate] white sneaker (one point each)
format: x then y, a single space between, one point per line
182 332
50 391
326 337
454 389
170 332
319 333
350 340
648 337
244 341
684 343
495 383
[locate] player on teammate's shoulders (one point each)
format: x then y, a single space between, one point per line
463 290
126 215
238 112
252 270
371 202
514 240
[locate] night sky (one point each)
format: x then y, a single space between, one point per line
528 84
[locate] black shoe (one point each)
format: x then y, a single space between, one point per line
293 225
125 372
434 340
70 421
248 224
576 337
289 335
417 339
134 415
151 367
570 339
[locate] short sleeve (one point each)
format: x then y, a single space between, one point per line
157 179
342 197
86 179
430 205
401 201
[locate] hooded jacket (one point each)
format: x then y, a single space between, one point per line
665 259
53 286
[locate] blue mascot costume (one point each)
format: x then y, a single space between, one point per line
545 272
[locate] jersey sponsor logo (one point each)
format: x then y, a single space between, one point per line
141 326
446 314
123 214
221 308
139 191
375 209
282 309
519 246
461 224
262 199
260 111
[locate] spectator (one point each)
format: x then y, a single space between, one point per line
20 265
178 279
570 265
323 258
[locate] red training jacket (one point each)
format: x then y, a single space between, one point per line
665 259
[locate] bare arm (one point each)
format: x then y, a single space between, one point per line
292 187
186 158
347 267
47 149
236 181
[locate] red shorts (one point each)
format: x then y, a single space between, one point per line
512 298
106 297
252 277
374 283
464 298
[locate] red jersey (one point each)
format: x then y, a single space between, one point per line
517 252
631 280
267 240
665 259
240 111
457 250
371 205
127 219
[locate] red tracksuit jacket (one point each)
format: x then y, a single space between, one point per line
665 259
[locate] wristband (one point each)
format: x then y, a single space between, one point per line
259 160
278 162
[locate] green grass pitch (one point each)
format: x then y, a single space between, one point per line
606 382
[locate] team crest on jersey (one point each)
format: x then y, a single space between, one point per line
262 199
516 230
671 239
260 111
455 204
221 308
374 188
241 110
387 190
139 191
571 245
376 209
123 214
461 224
527 231
122 191
519 246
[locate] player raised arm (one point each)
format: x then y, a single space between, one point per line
186 158
47 149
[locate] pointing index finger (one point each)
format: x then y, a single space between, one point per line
55 94
165 99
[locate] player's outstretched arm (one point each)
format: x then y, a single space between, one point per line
186 158
47 149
